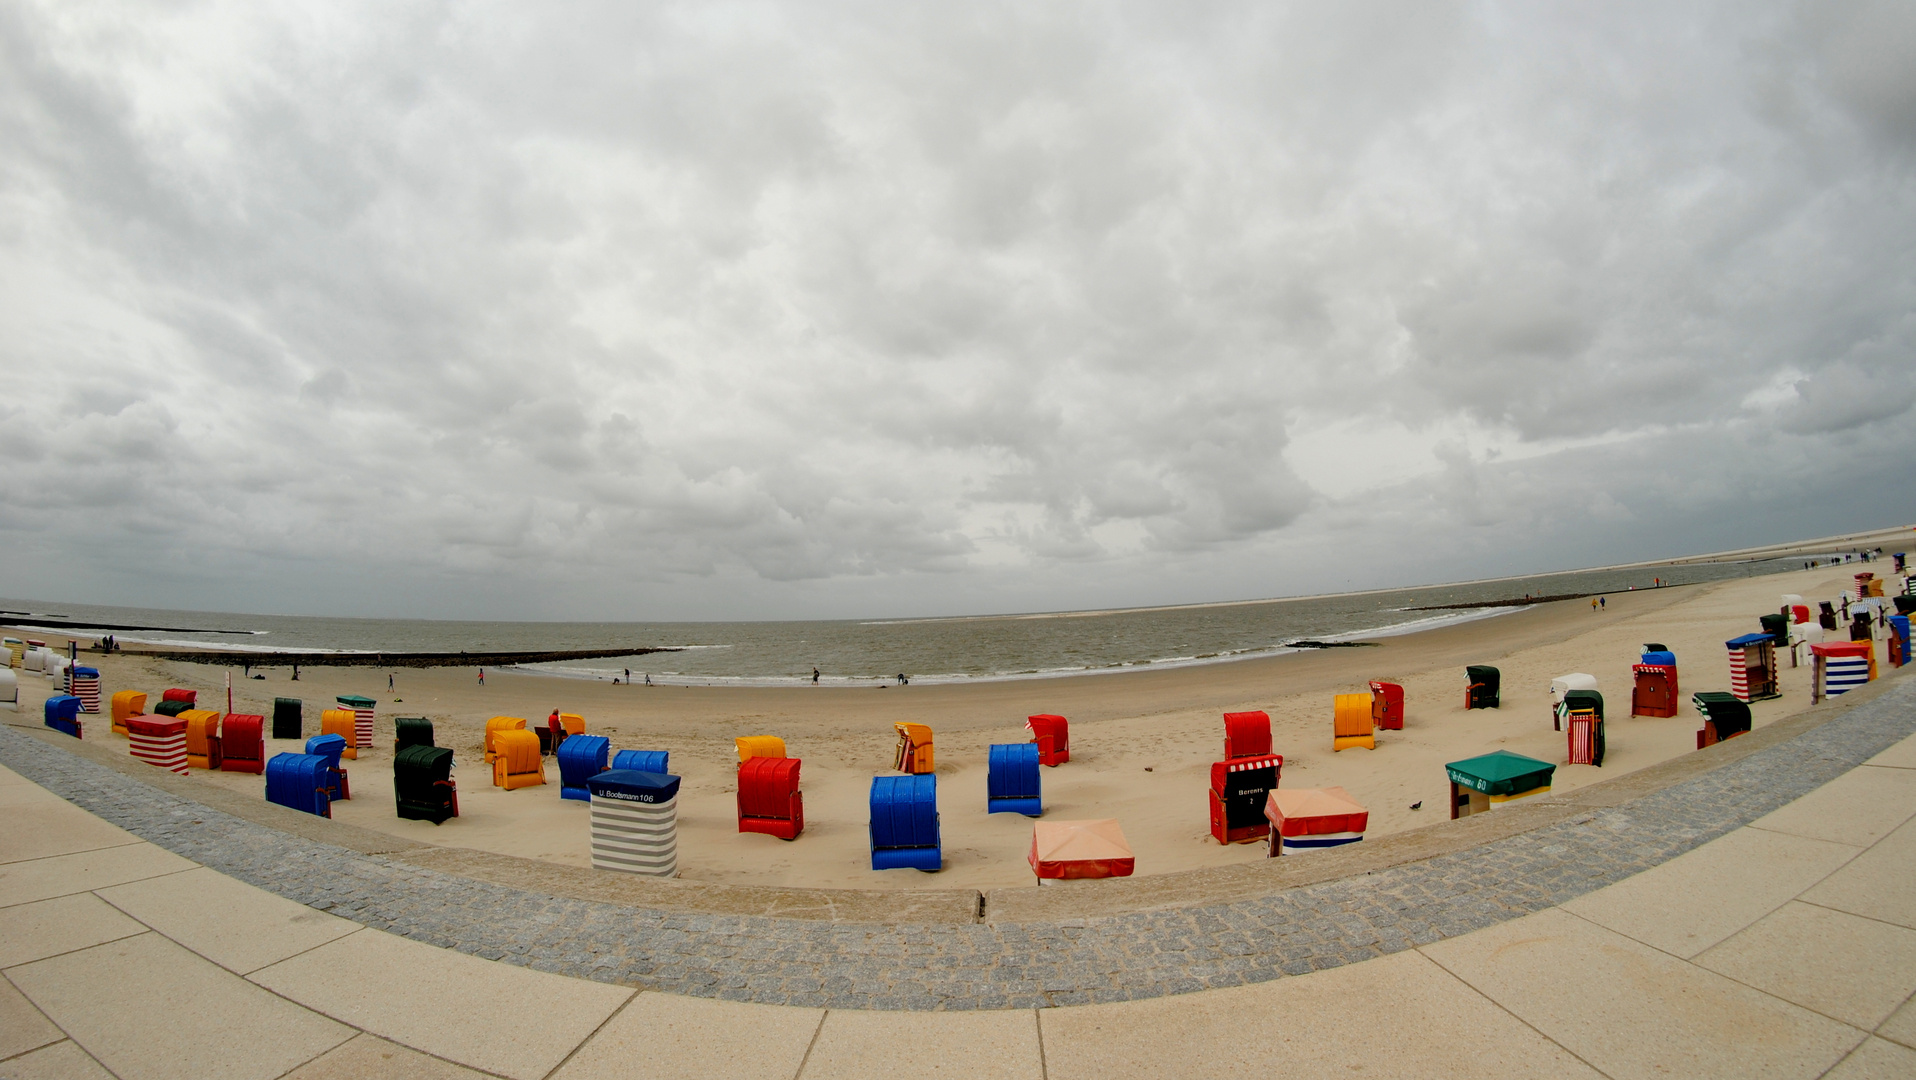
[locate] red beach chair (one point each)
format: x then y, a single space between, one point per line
1053 736
769 801
1387 705
1247 734
242 743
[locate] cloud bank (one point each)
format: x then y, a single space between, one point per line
731 310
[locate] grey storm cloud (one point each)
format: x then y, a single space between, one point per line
717 310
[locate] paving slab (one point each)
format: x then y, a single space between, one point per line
64 875
1875 884
859 1043
235 925
1703 896
38 828
1901 1026
368 1057
504 1019
46 928
1844 966
1633 1011
673 1036
1858 808
121 1002
61 1061
22 1026
1398 1016
1900 756
1876 1059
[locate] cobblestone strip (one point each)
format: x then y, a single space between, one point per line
864 966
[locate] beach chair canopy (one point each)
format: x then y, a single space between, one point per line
242 743
650 761
634 785
1725 712
1748 640
1315 811
411 731
1052 734
498 724
904 823
423 763
1658 658
1500 772
1583 701
1247 734
1097 848
171 707
191 697
300 782
757 746
328 746
1350 715
9 685
127 703
354 701
1576 680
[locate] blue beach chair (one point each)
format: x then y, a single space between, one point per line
1012 785
581 757
904 823
301 782
330 747
63 714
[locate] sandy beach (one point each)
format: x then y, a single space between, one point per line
1141 742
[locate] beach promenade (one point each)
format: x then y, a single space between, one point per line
1743 911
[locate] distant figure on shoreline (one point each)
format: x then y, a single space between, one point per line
1603 602
295 672
482 676
648 678
389 680
628 676
814 675
902 681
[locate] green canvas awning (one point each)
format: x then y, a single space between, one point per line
351 701
1500 773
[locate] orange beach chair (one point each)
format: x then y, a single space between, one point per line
516 762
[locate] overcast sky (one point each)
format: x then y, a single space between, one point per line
630 311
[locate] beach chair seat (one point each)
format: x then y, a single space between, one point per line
769 801
1313 819
1387 705
343 723
159 741
61 712
904 823
1052 734
423 788
242 743
581 757
202 738
1351 723
1247 734
757 746
516 762
496 725
914 752
652 761
287 721
411 731
300 782
332 747
635 822
1238 790
1079 850
124 704
1482 687
1012 781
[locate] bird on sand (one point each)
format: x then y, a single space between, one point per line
1418 805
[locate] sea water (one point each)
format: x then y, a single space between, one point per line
932 650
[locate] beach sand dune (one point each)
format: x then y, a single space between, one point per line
1141 742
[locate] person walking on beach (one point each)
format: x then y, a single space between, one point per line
482 676
648 678
1603 602
389 680
1593 603
814 675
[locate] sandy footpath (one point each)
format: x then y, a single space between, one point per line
1141 742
